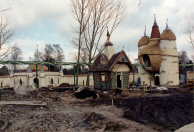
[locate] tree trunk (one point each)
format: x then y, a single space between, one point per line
78 58
88 76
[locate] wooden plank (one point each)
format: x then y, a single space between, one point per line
27 103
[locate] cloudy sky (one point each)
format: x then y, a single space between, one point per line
50 21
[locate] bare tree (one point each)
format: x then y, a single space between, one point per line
104 13
16 55
58 53
6 33
183 58
83 58
81 12
93 18
190 34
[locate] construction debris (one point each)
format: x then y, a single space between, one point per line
133 110
161 88
27 103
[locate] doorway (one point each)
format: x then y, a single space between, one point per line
37 81
157 80
119 81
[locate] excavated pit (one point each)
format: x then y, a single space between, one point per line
168 112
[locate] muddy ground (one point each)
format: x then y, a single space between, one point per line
131 111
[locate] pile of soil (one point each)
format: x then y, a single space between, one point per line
85 93
93 117
64 85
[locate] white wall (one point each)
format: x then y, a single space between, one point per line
169 71
109 51
8 81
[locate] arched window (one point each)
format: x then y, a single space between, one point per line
20 81
51 80
146 60
36 81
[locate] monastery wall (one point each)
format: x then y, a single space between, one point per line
44 80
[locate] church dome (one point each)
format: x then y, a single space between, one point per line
167 35
108 43
143 41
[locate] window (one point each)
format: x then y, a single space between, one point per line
51 80
20 82
102 76
146 60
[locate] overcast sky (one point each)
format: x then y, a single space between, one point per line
50 21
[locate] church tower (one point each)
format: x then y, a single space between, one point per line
169 71
109 49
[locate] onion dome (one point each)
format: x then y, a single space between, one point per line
29 69
167 34
144 40
155 30
150 56
42 69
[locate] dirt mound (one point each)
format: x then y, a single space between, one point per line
93 117
64 85
85 93
114 126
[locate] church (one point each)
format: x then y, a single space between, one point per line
111 70
159 55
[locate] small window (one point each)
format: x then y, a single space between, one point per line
20 82
146 60
51 80
102 76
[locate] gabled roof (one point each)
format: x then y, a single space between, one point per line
116 59
98 65
109 65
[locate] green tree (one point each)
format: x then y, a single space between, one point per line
4 71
